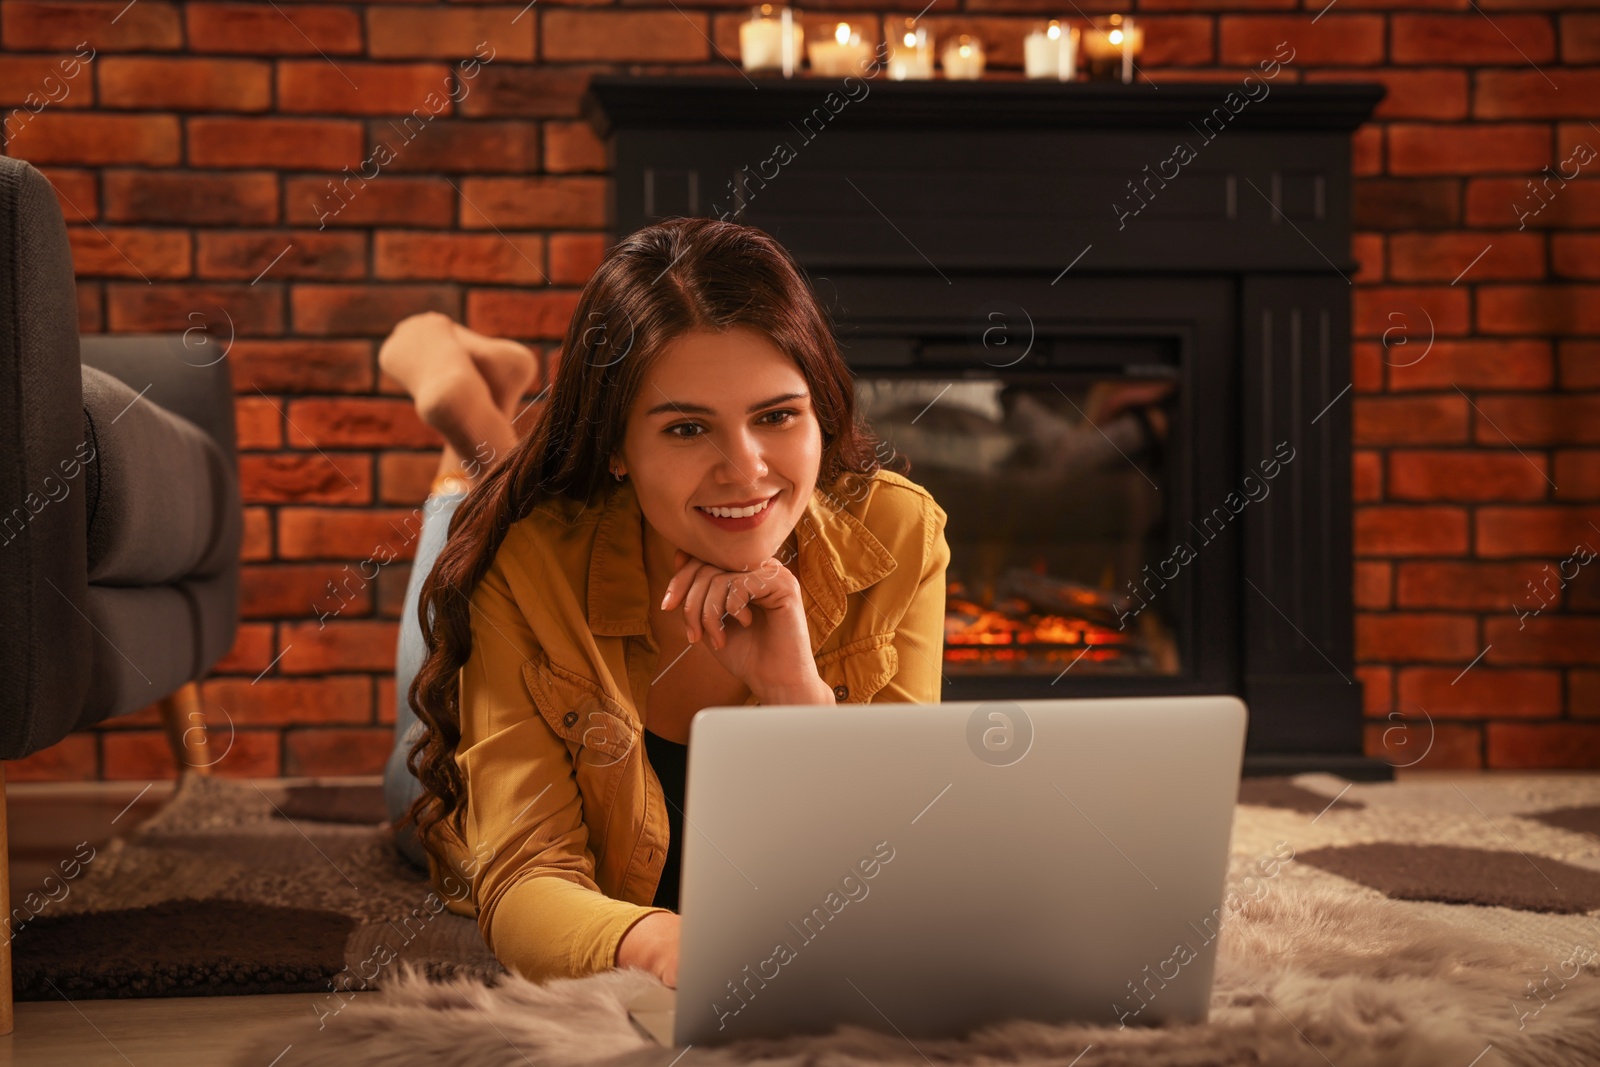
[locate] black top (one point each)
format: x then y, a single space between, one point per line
671 763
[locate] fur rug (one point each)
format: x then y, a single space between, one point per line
1307 976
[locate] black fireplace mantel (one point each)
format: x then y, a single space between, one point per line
915 205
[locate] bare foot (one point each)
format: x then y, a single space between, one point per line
509 368
444 365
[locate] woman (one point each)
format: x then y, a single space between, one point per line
697 519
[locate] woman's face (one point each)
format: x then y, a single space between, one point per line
723 421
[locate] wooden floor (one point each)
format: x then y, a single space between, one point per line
47 821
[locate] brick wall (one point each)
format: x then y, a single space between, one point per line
205 152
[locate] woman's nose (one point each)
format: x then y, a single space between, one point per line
743 461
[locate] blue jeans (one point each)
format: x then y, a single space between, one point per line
400 786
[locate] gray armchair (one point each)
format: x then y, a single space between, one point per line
120 519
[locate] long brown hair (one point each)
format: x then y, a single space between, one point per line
656 284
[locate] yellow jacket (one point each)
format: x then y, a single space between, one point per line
566 822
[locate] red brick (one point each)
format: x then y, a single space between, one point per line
126 252
1404 637
1418 744
451 145
337 752
311 478
1580 364
1584 694
1377 689
526 91
46 81
1466 476
255 29
1431 420
573 146
347 533
497 259
1366 366
1368 476
64 137
1577 475
1576 255
1413 94
491 34
1543 639
258 422
1410 531
1178 5
405 477
357 422
78 191
1393 312
1407 203
386 700
513 313
280 254
1420 149
1335 40
1580 38
162 84
533 203
1482 692
365 88
1468 40
1544 745
1176 41
1505 94
1507 201
380 202
289 144
1366 152
257 542
1559 309
330 310
138 308
338 644
275 701
624 36
1372 585
249 199
574 256
1474 586
1476 365
302 366
288 590
1367 250
91 315
1543 532
145 755
75 758
148 26
251 653
1425 257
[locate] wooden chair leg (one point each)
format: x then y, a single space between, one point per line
183 716
7 1021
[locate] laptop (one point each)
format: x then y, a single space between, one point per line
927 869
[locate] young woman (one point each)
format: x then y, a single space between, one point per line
697 519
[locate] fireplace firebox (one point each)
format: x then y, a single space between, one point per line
1125 379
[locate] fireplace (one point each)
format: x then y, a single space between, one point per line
1127 385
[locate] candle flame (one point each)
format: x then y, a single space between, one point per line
911 40
1115 36
1054 31
841 33
965 50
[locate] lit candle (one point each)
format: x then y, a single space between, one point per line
763 36
963 58
1109 49
845 53
1051 51
913 51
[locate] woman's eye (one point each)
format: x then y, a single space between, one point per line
692 426
783 416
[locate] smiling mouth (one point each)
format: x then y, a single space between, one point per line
739 513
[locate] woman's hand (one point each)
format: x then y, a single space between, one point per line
652 945
770 648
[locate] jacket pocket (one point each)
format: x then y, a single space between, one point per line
858 670
580 712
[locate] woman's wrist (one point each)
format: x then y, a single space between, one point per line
811 691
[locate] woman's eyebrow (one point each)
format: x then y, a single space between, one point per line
700 409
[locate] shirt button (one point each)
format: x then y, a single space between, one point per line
841 692
571 718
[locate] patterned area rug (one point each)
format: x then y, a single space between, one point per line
1477 901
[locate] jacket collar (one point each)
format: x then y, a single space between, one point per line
836 556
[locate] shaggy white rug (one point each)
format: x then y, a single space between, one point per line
1307 976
